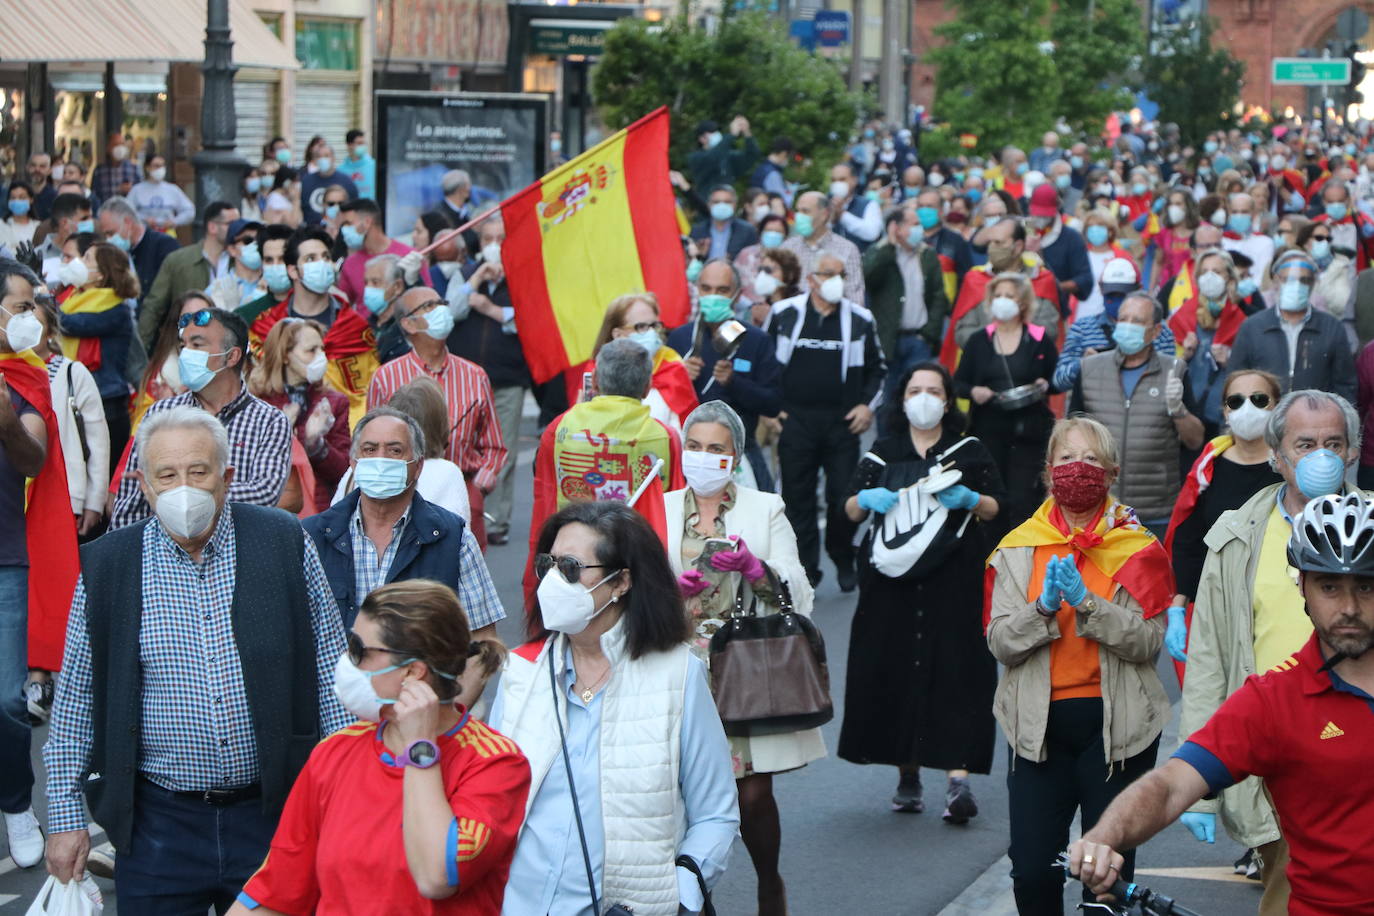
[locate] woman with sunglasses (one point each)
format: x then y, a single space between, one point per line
1232 468
623 738
162 378
1335 282
415 807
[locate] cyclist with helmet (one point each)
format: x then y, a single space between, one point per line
1306 726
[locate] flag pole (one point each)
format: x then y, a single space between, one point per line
451 233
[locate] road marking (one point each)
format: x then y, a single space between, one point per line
1212 873
6 899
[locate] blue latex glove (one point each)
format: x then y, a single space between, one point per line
1071 582
1050 596
958 497
1203 826
1176 636
877 499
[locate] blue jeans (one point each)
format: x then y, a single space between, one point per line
912 350
187 856
16 770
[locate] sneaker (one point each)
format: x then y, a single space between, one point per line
1244 862
908 798
498 539
25 838
101 861
959 804
38 695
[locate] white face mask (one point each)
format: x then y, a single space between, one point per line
185 511
924 410
839 190
1218 217
1248 422
73 273
1176 214
707 473
765 285
492 253
1004 308
832 290
353 687
567 607
157 174
314 371
1212 285
24 330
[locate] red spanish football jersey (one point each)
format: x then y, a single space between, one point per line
339 847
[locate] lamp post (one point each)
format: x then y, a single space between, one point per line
219 170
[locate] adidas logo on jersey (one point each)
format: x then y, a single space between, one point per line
1332 730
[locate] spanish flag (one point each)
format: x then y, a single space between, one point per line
594 228
49 527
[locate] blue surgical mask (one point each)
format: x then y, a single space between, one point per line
872 195
1139 188
331 211
714 310
439 322
914 236
382 478
1130 338
1076 162
318 276
352 237
1210 146
1335 211
720 212
974 194
120 242
1022 168
1319 473
278 280
1246 287
771 238
194 366
1321 252
1239 223
85 225
929 217
324 164
1096 235
250 257
253 185
693 270
804 225
374 298
1062 181
1293 296
20 207
650 340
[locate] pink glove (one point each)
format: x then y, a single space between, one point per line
692 583
740 560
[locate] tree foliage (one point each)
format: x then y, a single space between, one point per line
749 66
1195 84
1097 46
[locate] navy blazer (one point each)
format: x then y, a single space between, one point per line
430 548
742 235
755 389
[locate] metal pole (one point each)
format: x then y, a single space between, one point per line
890 70
219 170
856 46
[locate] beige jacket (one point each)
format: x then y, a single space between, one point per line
1134 706
1221 654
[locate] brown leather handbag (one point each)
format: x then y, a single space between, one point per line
768 673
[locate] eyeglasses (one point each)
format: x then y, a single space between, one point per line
1258 398
357 650
1321 238
569 567
424 307
643 326
198 318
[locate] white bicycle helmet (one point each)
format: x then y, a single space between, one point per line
1334 534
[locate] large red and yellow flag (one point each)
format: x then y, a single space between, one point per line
599 226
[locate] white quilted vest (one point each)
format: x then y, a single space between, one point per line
641 725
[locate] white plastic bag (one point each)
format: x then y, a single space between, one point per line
75 898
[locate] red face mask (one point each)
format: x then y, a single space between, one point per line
1078 486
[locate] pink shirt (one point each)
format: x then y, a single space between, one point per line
351 275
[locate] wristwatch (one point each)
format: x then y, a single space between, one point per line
1089 606
421 754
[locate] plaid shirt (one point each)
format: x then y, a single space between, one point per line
259 453
369 570
197 730
833 244
106 179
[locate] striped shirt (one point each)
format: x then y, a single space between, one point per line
197 727
259 453
832 244
475 444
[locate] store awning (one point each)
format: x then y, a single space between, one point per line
57 31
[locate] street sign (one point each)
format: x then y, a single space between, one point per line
1311 71
804 30
832 28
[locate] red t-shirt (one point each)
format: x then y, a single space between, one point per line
1310 736
339 846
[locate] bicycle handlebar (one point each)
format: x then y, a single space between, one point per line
1133 894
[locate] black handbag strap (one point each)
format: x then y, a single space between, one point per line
76 414
687 862
572 786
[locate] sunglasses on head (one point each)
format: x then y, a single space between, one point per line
198 318
357 650
1259 398
570 568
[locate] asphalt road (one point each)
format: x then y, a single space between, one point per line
844 851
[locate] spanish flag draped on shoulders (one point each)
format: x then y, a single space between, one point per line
670 380
1184 320
974 287
49 527
350 345
1113 550
95 301
603 449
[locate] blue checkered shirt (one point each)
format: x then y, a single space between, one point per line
370 570
476 593
197 729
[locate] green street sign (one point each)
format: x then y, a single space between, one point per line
1311 71
561 37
